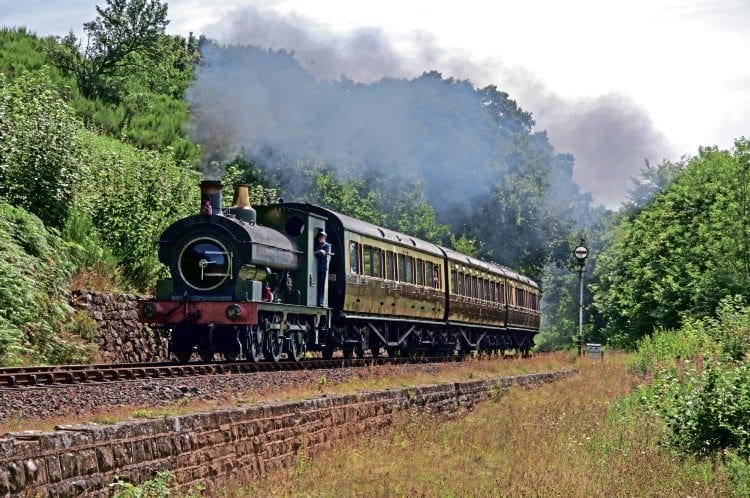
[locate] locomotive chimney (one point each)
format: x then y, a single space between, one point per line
210 197
241 207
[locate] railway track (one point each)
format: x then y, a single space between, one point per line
41 376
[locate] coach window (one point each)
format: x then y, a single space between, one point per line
390 273
353 257
377 262
435 276
454 281
409 263
501 293
474 288
420 272
487 295
367 260
428 278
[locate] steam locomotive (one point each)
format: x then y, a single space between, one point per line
244 285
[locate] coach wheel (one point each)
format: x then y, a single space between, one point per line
206 353
183 356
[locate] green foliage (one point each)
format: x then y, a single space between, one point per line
131 77
464 245
38 167
681 254
739 473
123 34
162 485
731 328
702 394
86 247
707 411
20 52
34 271
351 197
657 353
132 196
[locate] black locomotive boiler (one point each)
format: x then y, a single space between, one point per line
244 285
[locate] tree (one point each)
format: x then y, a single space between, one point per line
681 254
127 35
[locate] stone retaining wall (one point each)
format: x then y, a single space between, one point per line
232 445
122 339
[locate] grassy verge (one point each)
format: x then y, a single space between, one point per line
562 439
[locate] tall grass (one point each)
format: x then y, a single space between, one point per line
569 438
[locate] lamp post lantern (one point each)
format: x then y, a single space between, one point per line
581 252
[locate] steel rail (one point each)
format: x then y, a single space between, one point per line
40 376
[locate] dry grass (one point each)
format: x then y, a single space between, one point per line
561 439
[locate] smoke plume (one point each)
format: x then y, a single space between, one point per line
610 136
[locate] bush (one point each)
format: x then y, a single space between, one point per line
131 196
34 271
38 168
710 414
698 387
162 485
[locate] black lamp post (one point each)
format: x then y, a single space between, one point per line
581 252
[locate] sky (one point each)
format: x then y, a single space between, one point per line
613 83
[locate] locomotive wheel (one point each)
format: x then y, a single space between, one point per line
375 351
296 348
206 353
254 344
359 351
273 341
348 353
273 345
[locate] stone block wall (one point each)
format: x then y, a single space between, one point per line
122 339
227 446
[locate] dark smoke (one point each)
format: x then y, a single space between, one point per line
610 136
